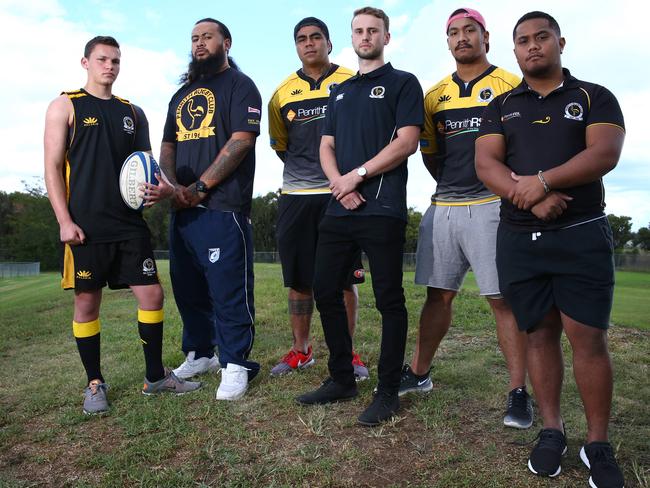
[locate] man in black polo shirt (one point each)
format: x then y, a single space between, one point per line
544 148
372 125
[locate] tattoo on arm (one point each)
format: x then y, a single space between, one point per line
301 307
227 161
168 161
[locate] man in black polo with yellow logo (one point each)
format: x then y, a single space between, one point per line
372 125
544 148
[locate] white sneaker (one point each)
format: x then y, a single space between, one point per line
234 382
192 367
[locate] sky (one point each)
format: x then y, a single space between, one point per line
42 43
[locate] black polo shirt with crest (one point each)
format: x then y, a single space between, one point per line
544 132
364 114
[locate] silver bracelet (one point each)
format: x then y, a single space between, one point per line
540 176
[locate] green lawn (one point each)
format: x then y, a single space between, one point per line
450 438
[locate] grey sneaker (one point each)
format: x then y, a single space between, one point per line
413 382
519 414
170 383
95 400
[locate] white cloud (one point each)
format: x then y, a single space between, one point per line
146 78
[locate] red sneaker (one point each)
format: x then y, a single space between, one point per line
292 361
360 370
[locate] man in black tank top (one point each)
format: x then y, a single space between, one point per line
88 134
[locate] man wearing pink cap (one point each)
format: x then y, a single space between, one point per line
459 229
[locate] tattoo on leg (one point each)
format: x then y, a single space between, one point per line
301 307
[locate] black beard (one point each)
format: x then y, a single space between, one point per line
199 68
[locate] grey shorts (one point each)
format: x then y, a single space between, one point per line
454 238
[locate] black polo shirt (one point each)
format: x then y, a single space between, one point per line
364 114
544 132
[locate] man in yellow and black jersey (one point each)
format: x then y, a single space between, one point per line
296 117
458 230
88 135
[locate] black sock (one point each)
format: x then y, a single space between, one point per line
203 353
150 327
87 336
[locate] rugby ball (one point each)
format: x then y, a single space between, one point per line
139 167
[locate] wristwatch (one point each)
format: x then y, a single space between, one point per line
363 172
201 187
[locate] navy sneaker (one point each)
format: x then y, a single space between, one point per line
519 413
546 455
413 382
603 468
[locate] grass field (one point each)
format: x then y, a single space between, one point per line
450 438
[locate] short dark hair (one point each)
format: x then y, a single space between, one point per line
375 12
106 40
538 15
313 21
225 32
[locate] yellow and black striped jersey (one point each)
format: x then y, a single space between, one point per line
452 119
296 117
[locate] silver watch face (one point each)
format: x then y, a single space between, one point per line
361 171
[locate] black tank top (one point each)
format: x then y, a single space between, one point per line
103 134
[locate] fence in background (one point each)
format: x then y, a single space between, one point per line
11 270
623 262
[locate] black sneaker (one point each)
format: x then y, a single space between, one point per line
546 455
413 382
382 408
519 413
603 469
328 392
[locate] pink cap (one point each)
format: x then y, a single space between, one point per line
466 13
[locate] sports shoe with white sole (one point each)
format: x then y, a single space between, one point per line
169 384
519 413
192 367
603 468
234 382
293 361
95 399
361 372
411 382
545 458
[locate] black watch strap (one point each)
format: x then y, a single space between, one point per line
201 187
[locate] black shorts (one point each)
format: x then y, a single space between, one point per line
297 236
120 264
571 269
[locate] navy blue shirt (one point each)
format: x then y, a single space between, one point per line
364 114
201 118
544 132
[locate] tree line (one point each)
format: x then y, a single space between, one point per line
29 231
